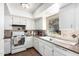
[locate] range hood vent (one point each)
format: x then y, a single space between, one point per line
18 27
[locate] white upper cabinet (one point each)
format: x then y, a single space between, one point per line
39 24
30 24
18 20
77 16
66 17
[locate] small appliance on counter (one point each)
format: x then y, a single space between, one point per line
39 33
28 32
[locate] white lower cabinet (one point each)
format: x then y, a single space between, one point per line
41 48
59 51
36 43
7 46
48 51
29 42
45 48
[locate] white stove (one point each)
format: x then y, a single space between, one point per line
17 42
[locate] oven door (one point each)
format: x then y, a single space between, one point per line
18 42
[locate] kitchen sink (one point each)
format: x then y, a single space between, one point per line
47 38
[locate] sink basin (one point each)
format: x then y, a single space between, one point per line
46 38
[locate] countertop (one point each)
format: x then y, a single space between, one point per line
73 48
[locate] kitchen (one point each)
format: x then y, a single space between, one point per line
41 29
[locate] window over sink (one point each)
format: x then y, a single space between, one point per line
53 24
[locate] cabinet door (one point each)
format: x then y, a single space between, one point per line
58 51
66 17
48 51
7 46
39 23
41 48
29 42
36 44
30 25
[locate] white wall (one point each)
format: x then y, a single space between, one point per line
7 18
17 12
1 29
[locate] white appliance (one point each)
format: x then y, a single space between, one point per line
17 42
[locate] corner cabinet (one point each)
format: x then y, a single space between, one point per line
30 24
28 42
40 23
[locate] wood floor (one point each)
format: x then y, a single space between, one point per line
28 52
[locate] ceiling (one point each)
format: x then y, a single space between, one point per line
32 8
